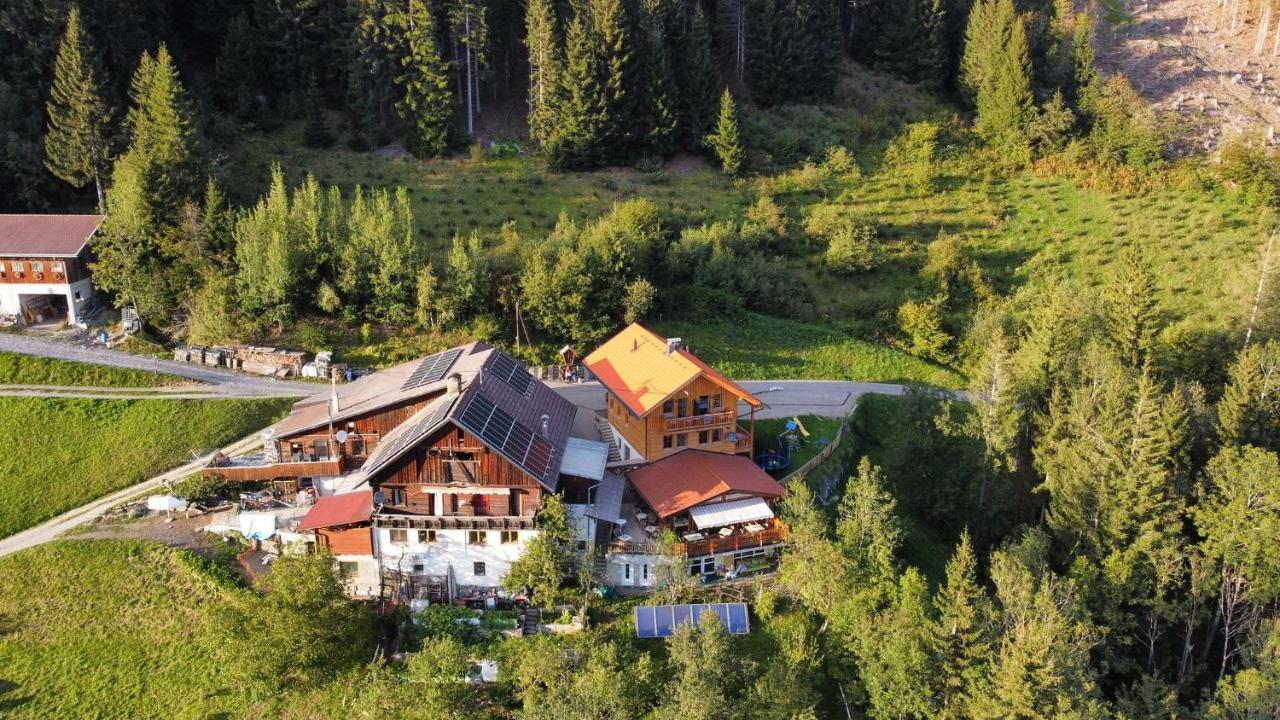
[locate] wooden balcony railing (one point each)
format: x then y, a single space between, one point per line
697 422
744 443
771 535
248 472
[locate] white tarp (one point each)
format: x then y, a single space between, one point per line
730 513
257 525
165 503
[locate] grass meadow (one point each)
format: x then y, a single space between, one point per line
61 453
1054 219
109 629
16 369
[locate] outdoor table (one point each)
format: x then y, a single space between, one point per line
726 531
692 537
641 516
651 529
753 527
624 537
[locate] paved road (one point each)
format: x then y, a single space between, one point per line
782 398
228 382
51 529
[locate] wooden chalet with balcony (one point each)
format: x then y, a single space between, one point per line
661 399
457 450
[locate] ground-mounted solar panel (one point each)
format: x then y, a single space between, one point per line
507 369
431 369
661 621
506 435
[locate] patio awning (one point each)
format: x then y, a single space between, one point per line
730 513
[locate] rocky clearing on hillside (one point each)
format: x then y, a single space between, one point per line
1202 78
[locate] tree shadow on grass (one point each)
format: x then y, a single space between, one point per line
10 701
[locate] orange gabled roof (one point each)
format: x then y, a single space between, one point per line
636 367
691 477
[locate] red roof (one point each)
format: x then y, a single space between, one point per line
46 235
335 510
692 477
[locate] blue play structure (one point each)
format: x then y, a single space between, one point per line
780 459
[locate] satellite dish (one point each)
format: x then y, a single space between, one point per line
342 436
379 497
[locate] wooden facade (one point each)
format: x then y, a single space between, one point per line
42 270
453 473
351 540
316 453
702 415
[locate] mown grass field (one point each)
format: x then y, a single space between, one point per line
60 454
758 347
109 629
18 369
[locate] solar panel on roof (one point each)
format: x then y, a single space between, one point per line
512 373
431 369
660 621
506 435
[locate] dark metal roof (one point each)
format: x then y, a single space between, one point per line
528 427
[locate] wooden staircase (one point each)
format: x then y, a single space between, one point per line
606 435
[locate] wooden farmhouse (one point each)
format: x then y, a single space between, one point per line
455 451
44 267
425 480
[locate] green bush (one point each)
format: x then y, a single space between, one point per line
1245 163
853 250
921 323
913 156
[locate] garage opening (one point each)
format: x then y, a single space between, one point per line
43 309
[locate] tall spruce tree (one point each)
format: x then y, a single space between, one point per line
1132 316
696 77
1249 412
237 67
905 37
997 71
578 136
961 639
726 140
546 56
75 141
423 79
150 183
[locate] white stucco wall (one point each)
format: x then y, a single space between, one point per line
643 570
367 580
452 549
628 451
11 293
